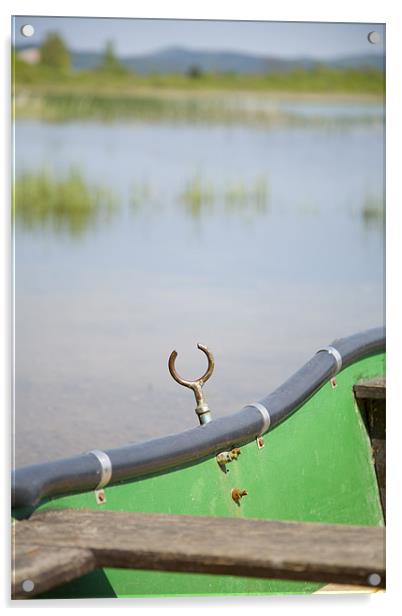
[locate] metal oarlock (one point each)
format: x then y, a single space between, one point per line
202 409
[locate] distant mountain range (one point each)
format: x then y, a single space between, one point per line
181 60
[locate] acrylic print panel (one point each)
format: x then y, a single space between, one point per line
180 182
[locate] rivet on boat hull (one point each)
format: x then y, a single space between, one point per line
237 495
100 497
260 442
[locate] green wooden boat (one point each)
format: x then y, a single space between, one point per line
313 464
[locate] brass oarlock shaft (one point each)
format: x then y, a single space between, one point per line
202 409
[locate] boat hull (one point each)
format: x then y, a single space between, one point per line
316 466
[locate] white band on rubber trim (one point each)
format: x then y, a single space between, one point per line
335 353
106 465
265 415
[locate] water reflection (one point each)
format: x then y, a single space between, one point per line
68 204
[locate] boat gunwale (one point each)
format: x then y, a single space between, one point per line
81 473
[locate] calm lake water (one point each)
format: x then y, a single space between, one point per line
264 284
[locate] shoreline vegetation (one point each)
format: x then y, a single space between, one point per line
68 203
62 104
51 90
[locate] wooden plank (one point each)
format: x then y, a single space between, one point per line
341 589
37 568
371 400
229 546
371 389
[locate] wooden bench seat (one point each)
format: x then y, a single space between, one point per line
56 546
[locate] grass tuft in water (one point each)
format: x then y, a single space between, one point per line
198 195
238 195
66 204
201 197
372 210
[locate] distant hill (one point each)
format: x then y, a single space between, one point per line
181 60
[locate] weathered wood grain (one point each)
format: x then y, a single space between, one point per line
228 546
371 389
44 567
371 400
341 589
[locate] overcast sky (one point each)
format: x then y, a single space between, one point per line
137 36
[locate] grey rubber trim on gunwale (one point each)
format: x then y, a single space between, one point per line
81 473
